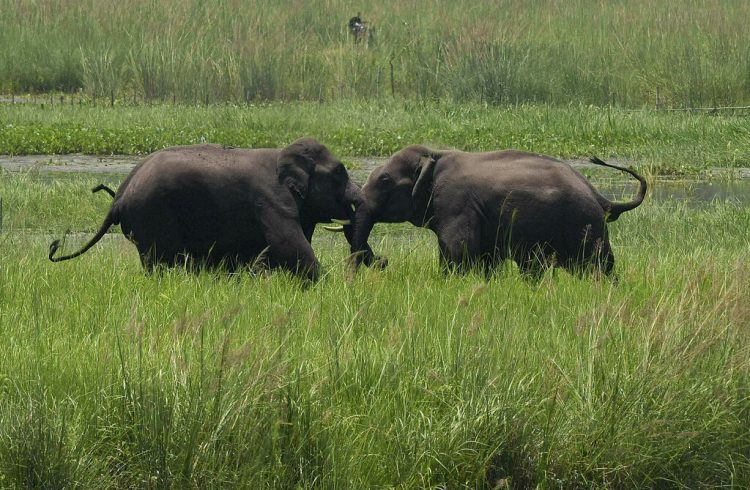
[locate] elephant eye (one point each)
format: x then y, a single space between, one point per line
385 178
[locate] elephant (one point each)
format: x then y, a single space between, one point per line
210 205
489 207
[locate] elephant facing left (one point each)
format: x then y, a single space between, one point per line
210 205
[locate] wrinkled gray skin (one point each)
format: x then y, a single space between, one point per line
211 205
488 207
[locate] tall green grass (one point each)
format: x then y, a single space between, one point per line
499 52
110 378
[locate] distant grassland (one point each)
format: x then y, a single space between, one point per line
404 378
659 143
554 51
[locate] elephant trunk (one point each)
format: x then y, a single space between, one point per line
358 232
358 235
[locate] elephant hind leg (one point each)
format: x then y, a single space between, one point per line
147 261
534 261
598 260
490 263
604 261
154 258
159 239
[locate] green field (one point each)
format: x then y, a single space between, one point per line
656 143
554 51
110 378
402 378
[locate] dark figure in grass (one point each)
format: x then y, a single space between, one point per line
357 27
209 205
361 30
488 207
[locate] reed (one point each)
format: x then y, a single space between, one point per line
507 52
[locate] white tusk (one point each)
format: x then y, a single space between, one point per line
335 229
342 221
354 208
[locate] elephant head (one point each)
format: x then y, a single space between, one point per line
323 190
399 191
319 181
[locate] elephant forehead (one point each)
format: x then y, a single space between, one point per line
402 165
321 155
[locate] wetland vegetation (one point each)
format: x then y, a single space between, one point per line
396 378
657 143
408 378
499 52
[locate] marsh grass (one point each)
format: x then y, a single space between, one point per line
406 377
483 51
657 142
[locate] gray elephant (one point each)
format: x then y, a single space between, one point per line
487 207
211 205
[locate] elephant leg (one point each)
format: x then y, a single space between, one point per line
534 260
531 268
293 252
597 260
487 265
459 243
603 260
147 262
153 262
308 229
152 259
591 252
159 239
232 264
155 259
288 247
608 265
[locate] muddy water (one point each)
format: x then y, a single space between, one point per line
618 186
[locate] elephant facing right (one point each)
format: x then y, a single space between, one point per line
488 207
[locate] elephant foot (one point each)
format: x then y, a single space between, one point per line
369 259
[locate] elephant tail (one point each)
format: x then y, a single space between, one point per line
615 209
109 220
103 187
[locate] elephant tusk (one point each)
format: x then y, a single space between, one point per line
354 208
335 229
342 221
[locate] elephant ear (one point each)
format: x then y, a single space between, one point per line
294 167
423 185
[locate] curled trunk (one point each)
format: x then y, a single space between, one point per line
358 234
357 228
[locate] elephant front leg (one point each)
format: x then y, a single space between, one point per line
459 243
308 228
292 251
288 246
